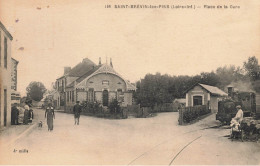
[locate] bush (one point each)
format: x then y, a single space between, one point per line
91 107
193 113
114 107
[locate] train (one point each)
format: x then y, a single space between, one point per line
227 106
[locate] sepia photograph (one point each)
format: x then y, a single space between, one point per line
128 82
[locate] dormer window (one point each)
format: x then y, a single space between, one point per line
105 82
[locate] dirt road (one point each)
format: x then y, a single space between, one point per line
157 140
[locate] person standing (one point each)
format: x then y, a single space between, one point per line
77 111
14 114
49 113
26 114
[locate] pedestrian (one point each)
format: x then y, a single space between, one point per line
26 114
77 111
16 122
14 114
49 113
30 118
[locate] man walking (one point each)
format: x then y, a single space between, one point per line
77 111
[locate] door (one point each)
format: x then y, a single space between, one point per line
105 98
197 100
5 107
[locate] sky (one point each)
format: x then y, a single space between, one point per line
49 35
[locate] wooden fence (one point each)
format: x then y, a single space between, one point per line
189 114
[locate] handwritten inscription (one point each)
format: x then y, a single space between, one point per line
20 151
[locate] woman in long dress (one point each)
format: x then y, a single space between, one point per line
49 113
26 114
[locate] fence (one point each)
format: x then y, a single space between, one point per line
189 114
96 109
142 112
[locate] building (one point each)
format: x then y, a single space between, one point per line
5 76
201 94
15 96
93 83
178 103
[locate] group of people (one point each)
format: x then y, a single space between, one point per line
50 115
28 114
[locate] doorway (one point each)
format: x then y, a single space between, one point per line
105 98
5 107
197 100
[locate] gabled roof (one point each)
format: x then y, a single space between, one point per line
105 69
211 89
81 68
6 31
14 60
182 100
84 76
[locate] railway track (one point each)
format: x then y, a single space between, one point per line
179 152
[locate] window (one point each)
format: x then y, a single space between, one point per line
105 82
197 100
72 96
91 94
5 53
67 96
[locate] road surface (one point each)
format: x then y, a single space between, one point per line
136 141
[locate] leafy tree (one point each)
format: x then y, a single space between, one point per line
252 68
157 89
35 90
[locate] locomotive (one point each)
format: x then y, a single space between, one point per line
227 107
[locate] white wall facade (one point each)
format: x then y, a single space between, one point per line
5 80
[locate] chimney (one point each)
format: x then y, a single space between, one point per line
230 91
111 62
99 61
67 70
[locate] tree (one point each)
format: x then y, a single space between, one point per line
35 90
252 68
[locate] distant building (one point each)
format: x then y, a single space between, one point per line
93 83
5 73
178 103
201 94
